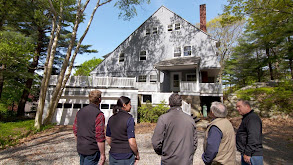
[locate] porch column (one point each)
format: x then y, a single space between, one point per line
197 79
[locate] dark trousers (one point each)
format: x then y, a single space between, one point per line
89 159
129 161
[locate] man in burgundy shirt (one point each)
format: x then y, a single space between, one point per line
88 129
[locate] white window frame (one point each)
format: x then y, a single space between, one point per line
187 52
153 78
147 31
141 78
170 27
145 101
121 58
177 51
142 55
177 26
155 30
191 74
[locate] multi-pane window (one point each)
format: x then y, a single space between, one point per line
177 26
155 30
142 78
121 57
142 55
146 98
177 51
190 77
170 27
147 31
153 78
187 50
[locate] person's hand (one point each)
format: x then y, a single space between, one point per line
136 159
246 158
102 159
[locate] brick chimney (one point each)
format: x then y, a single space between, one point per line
202 12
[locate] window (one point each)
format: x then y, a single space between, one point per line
67 105
112 106
146 98
187 50
142 56
155 30
104 106
147 31
177 51
76 105
121 57
84 105
153 78
59 105
177 26
170 28
190 77
142 78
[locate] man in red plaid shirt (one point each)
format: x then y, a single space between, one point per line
88 129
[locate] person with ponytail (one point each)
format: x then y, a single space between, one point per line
120 135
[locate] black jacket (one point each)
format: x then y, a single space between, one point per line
249 135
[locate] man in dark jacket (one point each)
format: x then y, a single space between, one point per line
249 135
88 129
175 136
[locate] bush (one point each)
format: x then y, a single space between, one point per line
149 113
5 113
278 98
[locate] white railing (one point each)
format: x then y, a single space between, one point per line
84 81
114 82
210 88
147 86
186 86
186 108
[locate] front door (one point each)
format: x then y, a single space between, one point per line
175 81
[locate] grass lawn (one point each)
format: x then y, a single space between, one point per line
11 132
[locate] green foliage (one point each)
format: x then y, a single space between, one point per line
11 132
5 113
280 97
149 113
87 67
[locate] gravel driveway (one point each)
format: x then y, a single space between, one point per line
58 147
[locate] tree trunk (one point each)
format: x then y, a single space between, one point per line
41 102
270 63
290 54
31 71
1 79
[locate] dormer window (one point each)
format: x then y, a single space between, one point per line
187 50
177 51
155 30
177 26
170 27
147 31
142 56
121 57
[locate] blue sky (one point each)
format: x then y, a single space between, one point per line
108 31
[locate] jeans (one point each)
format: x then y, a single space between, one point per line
89 159
129 161
254 160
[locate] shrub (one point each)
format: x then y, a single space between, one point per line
149 113
5 113
278 98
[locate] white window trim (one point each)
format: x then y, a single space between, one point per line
146 31
155 30
188 51
154 79
177 52
142 56
176 26
190 74
120 57
170 29
138 78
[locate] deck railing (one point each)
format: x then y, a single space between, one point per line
85 81
186 86
207 88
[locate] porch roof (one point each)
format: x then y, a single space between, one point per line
178 63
